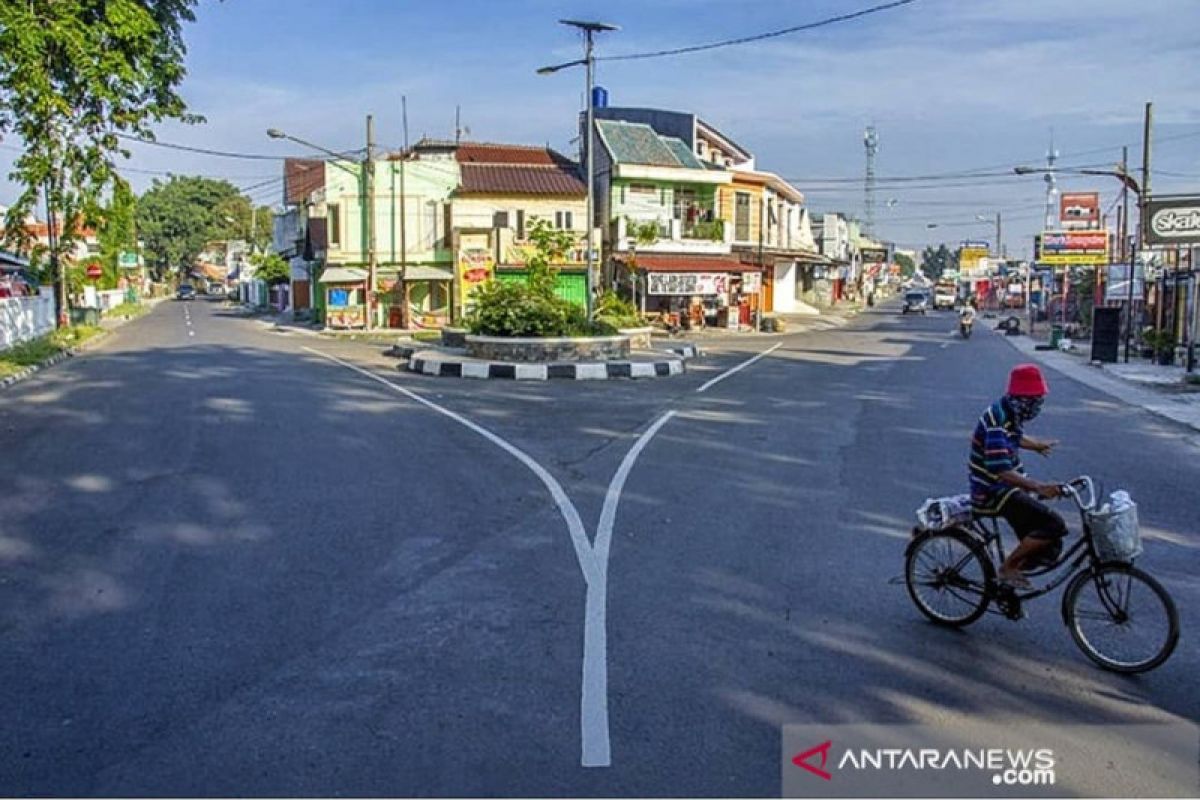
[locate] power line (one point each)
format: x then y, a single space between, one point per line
224 153
760 36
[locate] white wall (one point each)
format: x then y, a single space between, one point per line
25 318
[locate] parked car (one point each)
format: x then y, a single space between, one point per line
916 302
185 292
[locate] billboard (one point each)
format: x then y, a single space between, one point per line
1116 288
873 255
1080 208
688 283
1073 247
971 259
1173 219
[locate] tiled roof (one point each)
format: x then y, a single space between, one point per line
302 177
488 153
636 143
556 180
662 262
683 153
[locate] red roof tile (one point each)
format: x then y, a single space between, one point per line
486 153
522 179
663 262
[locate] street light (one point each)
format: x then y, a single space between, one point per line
366 187
589 30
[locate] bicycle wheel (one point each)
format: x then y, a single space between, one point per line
948 575
1121 618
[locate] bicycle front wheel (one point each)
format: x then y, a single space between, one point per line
948 574
1121 618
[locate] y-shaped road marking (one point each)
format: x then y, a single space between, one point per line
592 557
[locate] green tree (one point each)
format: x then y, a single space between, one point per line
907 267
550 246
176 218
935 261
271 267
74 75
118 231
234 221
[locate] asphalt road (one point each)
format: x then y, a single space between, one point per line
232 566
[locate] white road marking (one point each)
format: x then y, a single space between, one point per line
739 367
596 749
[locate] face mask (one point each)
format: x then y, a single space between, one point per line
1026 408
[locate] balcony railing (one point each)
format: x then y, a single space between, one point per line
710 230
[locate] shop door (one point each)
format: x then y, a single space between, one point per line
572 287
768 292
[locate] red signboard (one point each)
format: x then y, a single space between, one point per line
1080 208
94 271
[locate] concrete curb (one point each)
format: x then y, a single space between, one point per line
594 371
71 352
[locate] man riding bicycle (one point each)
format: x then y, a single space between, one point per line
999 485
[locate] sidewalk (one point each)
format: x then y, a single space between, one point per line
1159 390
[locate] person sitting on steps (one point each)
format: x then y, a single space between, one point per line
999 485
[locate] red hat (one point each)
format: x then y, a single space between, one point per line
1026 381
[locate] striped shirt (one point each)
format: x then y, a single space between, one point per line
995 449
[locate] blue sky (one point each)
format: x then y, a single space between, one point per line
950 85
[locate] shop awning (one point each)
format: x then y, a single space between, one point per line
660 262
343 275
420 272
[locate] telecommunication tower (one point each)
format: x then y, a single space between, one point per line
871 142
1051 188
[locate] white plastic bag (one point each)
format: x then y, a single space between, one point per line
1115 529
939 513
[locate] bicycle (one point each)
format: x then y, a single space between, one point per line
955 565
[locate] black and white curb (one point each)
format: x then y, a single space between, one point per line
30 371
683 350
542 372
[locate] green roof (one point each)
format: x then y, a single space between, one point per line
638 143
683 153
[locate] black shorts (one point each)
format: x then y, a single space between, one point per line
1029 516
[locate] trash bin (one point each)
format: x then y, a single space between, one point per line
1056 335
85 316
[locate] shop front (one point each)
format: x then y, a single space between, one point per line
345 292
696 292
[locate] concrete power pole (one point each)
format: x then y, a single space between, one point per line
871 143
369 205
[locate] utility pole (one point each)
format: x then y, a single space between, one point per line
369 204
871 143
1141 237
591 176
1127 253
999 247
404 312
60 279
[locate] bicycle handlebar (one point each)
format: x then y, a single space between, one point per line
1072 489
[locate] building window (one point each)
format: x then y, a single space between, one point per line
335 224
563 220
741 217
643 191
520 223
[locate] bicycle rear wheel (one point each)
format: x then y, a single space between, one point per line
1121 618
948 575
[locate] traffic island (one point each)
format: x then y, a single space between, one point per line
448 363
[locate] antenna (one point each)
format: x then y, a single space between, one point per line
1051 187
871 142
457 124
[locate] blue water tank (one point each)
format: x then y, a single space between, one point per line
599 97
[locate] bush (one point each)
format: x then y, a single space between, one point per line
617 312
35 351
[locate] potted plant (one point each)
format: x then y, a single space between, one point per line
1162 345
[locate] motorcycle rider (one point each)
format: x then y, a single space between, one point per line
966 319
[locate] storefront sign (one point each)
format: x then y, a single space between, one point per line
970 258
688 283
475 266
751 282
1073 247
873 255
1079 208
1173 220
127 260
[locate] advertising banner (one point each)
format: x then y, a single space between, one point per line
970 260
751 282
1116 288
688 283
1073 247
873 255
1080 209
1173 219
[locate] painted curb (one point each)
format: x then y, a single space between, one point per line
608 370
32 370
